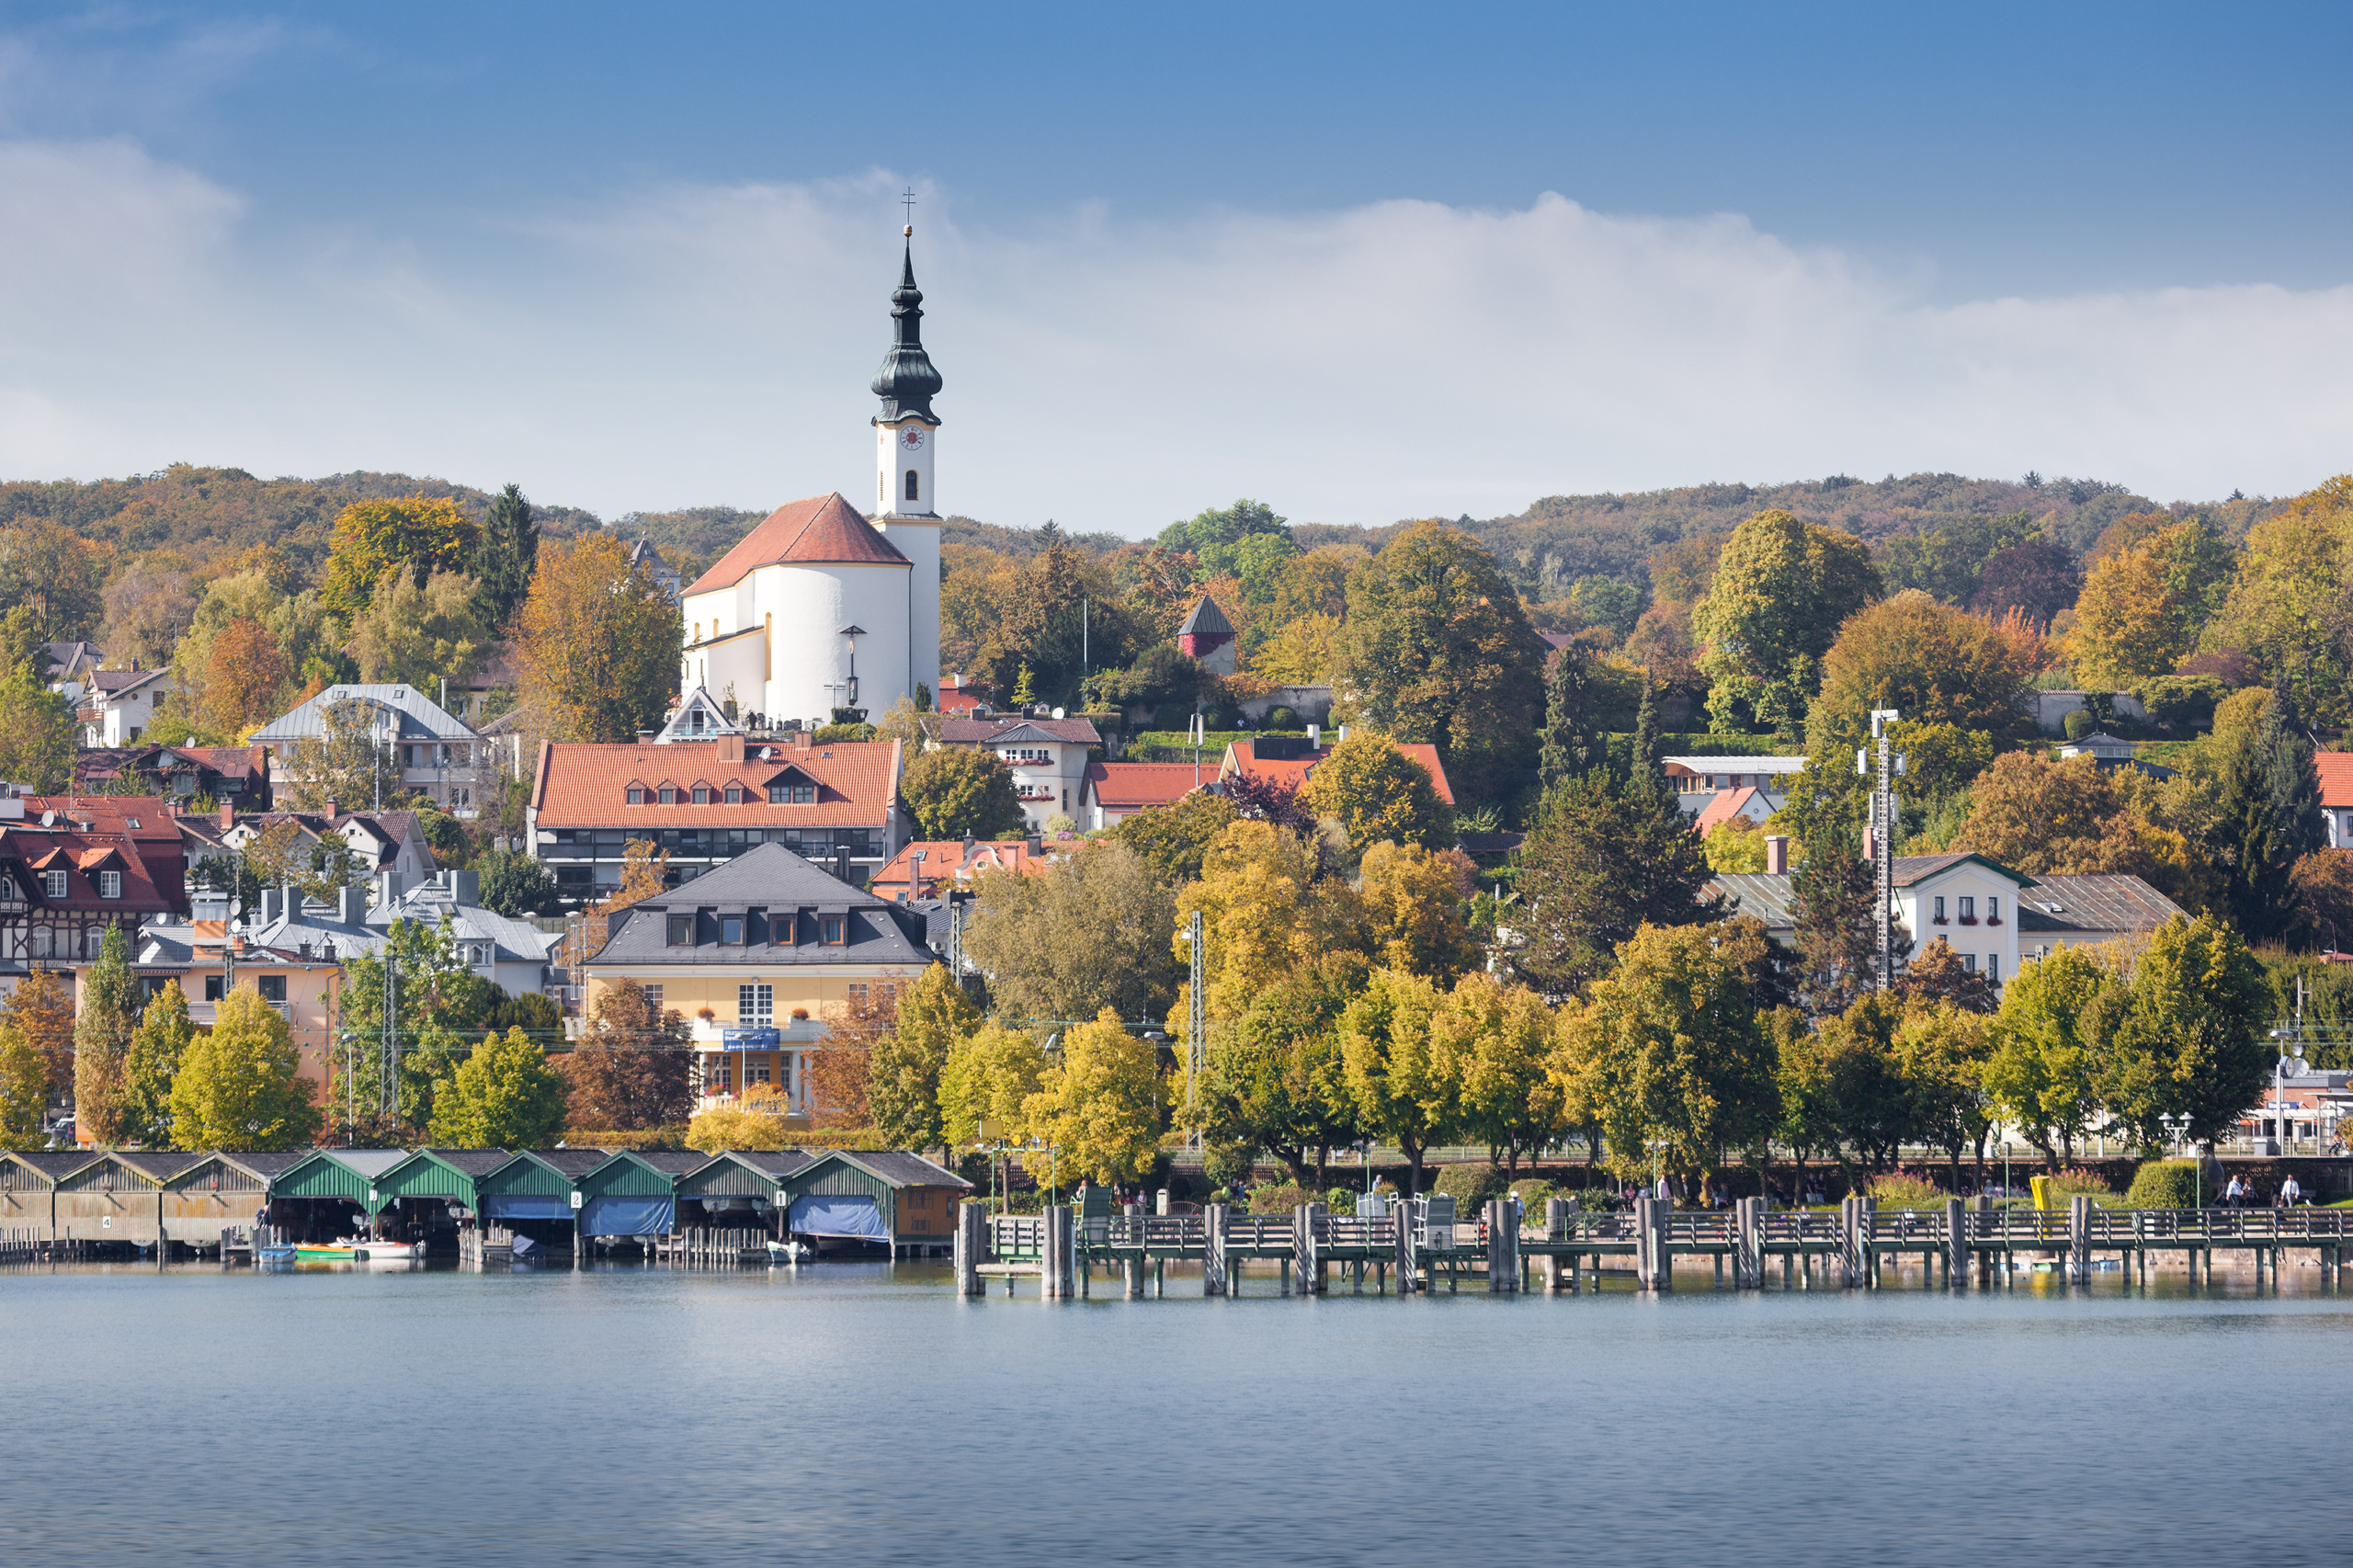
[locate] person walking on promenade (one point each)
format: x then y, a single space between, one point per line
2232 1193
2291 1193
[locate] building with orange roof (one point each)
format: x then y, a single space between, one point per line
954 863
819 608
1288 759
1746 800
2336 795
704 802
1117 790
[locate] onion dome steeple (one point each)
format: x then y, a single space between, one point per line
906 383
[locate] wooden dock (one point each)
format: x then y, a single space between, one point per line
1420 1246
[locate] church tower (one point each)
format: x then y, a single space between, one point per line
905 436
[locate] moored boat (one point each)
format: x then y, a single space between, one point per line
347 1250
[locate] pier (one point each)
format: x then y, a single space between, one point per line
1420 1244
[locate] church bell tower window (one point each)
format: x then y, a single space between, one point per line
913 486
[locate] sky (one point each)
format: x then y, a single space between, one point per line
1360 261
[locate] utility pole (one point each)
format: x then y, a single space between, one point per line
389 1062
1196 1031
1880 836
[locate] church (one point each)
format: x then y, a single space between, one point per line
819 609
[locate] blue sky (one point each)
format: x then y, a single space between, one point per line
1368 262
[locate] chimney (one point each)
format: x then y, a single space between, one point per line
731 748
228 815
351 904
387 887
1314 736
800 740
334 810
465 889
1037 844
272 901
1776 854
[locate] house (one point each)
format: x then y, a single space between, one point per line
961 698
1049 758
2336 795
761 956
941 863
489 690
1698 781
291 952
1288 760
1207 637
381 843
511 954
697 717
2073 910
435 753
70 665
1726 804
231 775
2107 754
703 802
645 558
117 706
1117 790
72 865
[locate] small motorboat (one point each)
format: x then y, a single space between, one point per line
787 1252
357 1250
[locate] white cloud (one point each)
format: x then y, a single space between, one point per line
684 344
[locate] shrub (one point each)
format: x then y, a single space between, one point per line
671 1137
1229 1165
2060 1187
2164 1183
2080 724
1280 1199
2182 699
1340 1200
1281 718
1473 1185
1901 1189
1533 1194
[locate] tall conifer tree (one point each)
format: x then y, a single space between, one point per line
1569 740
2270 816
509 549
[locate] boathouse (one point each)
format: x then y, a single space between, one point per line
635 1192
331 1193
29 1179
886 1197
222 1192
434 1189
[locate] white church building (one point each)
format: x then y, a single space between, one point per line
818 608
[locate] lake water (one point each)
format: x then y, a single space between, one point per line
864 1415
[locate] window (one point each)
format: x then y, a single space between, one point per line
109 884
734 794
702 794
1969 962
53 883
1968 910
792 794
8 888
93 943
212 988
1940 919
833 929
637 794
756 1005
652 998
856 995
273 987
1993 968
1993 912
731 930
669 794
757 1071
682 931
910 486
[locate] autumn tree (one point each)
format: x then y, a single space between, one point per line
1303 651
46 569
1274 1080
2287 605
147 607
2067 817
1940 1054
1604 857
1378 794
247 677
102 1039
151 1064
628 1071
504 1095
1497 1041
2036 577
903 1074
1413 908
985 1084
1438 651
41 1007
1080 934
2040 1073
2131 622
24 1090
1100 1105
1933 663
240 1086
598 642
959 791
1264 915
1842 1085
1780 591
2187 1038
1403 1090
419 534
414 633
1174 839
38 734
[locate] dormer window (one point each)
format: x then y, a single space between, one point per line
637 794
731 930
109 884
681 931
734 794
53 883
669 794
792 794
833 929
702 794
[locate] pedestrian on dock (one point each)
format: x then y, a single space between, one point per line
2234 1194
2291 1193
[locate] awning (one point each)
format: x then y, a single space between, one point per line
628 1216
833 1215
521 1206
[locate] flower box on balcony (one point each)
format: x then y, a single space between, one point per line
1993 920
1969 920
1940 920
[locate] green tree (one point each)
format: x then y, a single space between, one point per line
1275 1078
1497 1041
598 642
419 534
1572 745
240 1087
416 633
1403 1090
1438 651
503 561
1080 934
2271 817
348 762
985 1083
1378 794
102 1039
1100 1106
957 790
2040 1073
1225 526
438 1003
1842 1087
1604 857
904 1072
504 1095
2288 605
1666 1048
1781 590
1940 1054
515 884
1643 763
1174 839
24 1090
2184 1035
36 734
152 1063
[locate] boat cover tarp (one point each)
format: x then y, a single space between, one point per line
628 1216
524 1246
835 1215
526 1206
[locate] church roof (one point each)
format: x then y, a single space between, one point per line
1206 620
823 530
908 382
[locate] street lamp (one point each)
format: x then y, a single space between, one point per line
1658 1147
2291 1059
2177 1129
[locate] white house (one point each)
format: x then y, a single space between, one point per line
511 954
116 707
1049 758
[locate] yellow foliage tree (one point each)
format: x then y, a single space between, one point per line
1376 791
1405 1089
1099 1108
598 642
24 1090
1413 904
1304 651
2129 623
239 1086
985 1083
1261 916
1496 1042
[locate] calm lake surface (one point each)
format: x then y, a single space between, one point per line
865 1413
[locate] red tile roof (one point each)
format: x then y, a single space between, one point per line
136 833
1242 757
1746 800
2336 779
820 530
948 859
1132 785
583 784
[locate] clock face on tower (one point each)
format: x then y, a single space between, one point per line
911 437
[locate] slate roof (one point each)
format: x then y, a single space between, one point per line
1912 869
1765 896
573 1163
821 530
2090 903
474 1162
586 784
1205 619
420 718
773 880
57 1164
266 1166
163 1164
1006 729
901 1168
517 940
